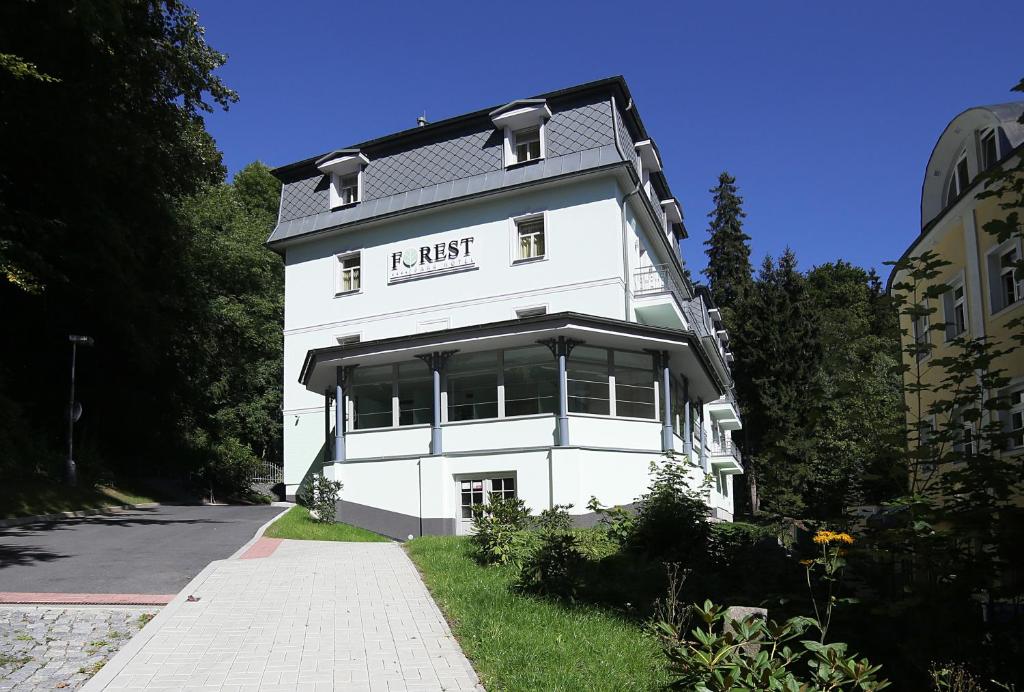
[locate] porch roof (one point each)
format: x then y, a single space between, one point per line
686 355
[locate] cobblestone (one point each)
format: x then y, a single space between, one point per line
58 647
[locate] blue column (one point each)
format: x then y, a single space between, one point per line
561 348
344 374
687 424
436 361
666 404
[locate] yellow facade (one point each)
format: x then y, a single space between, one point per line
953 222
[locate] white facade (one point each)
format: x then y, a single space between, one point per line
606 279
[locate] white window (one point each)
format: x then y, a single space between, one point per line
1015 420
346 339
527 144
530 238
921 340
348 188
1010 289
536 311
955 305
959 179
475 492
349 280
965 443
989 149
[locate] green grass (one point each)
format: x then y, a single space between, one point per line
30 498
518 642
297 524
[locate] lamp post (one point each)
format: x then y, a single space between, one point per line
74 413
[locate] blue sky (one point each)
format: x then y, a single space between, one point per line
825 112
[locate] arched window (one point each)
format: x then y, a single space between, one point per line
959 179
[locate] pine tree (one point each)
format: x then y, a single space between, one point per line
728 271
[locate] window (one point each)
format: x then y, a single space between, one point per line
634 384
530 381
1010 289
959 179
348 188
529 239
955 305
348 273
473 386
415 394
1015 420
587 375
527 144
989 149
964 443
371 395
922 344
474 492
531 312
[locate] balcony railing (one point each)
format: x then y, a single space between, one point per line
656 279
725 448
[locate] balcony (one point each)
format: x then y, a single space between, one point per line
659 297
725 457
724 412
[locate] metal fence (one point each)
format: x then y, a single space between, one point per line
267 472
726 448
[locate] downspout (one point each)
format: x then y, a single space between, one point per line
627 293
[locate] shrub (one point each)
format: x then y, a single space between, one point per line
321 497
616 521
554 520
555 567
499 531
756 654
671 520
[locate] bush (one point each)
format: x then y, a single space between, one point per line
671 523
499 531
320 495
555 567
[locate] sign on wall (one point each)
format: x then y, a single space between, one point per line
413 262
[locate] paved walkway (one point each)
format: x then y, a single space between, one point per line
297 615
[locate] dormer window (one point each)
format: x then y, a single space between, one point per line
527 144
648 161
959 179
524 125
989 148
345 168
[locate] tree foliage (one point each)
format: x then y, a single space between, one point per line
728 270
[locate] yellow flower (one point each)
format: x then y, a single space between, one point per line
807 563
824 537
843 538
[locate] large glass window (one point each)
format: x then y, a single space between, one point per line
527 144
473 386
531 381
371 397
530 238
587 375
415 394
349 279
634 385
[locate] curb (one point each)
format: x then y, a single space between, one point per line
259 532
112 509
134 645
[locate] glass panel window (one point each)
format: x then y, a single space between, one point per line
921 340
530 240
634 385
471 493
1011 288
527 144
1015 417
348 189
989 155
473 386
587 375
959 310
963 179
531 381
503 488
349 279
371 397
415 394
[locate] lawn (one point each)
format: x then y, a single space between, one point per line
31 497
296 524
518 642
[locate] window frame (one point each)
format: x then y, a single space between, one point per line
954 178
337 189
516 223
957 284
1011 411
487 490
340 270
515 134
984 134
997 252
924 335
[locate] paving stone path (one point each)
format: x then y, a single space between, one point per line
59 647
297 615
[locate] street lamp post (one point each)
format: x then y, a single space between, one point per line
73 414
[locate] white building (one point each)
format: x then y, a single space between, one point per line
498 303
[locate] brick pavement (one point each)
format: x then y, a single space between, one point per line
310 615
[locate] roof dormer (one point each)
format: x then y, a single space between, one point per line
345 167
524 124
648 154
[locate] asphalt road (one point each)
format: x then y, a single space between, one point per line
145 551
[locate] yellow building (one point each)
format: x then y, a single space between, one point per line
984 293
